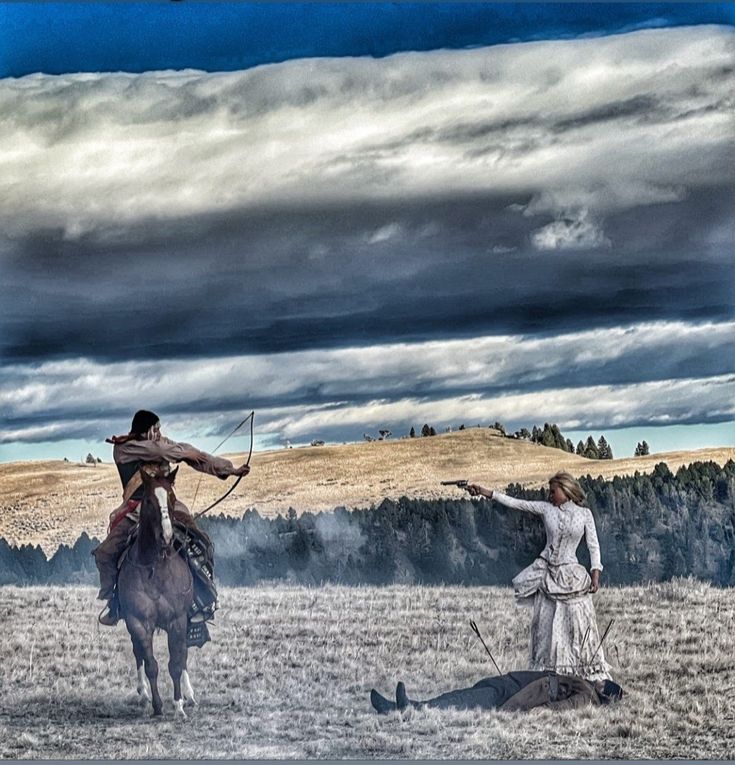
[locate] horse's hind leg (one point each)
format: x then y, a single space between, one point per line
186 688
177 653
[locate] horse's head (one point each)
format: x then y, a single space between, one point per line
159 499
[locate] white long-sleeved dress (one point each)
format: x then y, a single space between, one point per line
564 634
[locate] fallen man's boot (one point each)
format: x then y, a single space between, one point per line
402 701
381 705
111 614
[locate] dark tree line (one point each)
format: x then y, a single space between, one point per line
551 436
651 528
595 451
68 565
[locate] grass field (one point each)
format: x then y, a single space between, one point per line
289 672
53 502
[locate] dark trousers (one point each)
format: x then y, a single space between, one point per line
489 693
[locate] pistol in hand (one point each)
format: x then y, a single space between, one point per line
462 484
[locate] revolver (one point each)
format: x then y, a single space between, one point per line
462 484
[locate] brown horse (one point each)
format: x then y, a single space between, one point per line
155 589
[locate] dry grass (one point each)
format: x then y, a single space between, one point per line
290 669
50 503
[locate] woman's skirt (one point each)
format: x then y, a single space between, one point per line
564 634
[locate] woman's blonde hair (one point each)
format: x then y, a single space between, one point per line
569 485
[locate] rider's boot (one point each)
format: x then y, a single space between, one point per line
111 615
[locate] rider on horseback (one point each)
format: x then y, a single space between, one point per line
145 445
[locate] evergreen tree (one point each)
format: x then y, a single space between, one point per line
412 432
603 449
33 562
590 449
559 440
580 449
432 431
61 567
644 449
11 571
547 436
425 431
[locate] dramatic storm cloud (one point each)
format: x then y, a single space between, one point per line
531 228
324 201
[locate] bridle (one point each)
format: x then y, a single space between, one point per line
166 548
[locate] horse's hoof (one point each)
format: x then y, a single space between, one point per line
157 713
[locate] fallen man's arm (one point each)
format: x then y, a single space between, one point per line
577 700
556 692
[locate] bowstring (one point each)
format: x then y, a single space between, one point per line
250 417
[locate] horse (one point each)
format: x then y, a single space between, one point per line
156 589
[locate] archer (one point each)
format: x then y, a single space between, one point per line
145 445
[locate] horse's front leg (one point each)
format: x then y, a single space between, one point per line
144 691
177 654
140 634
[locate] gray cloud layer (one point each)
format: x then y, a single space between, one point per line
659 372
536 189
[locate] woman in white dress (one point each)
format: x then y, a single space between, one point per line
564 634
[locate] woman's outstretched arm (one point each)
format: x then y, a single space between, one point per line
537 508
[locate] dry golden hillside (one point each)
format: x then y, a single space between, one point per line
52 502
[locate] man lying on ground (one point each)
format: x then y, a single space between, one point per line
511 692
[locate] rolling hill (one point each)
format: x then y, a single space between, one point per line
52 502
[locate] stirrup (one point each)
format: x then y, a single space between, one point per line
109 616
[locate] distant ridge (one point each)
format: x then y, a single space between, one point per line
53 502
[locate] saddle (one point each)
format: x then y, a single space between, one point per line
197 549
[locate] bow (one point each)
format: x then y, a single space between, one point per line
232 488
